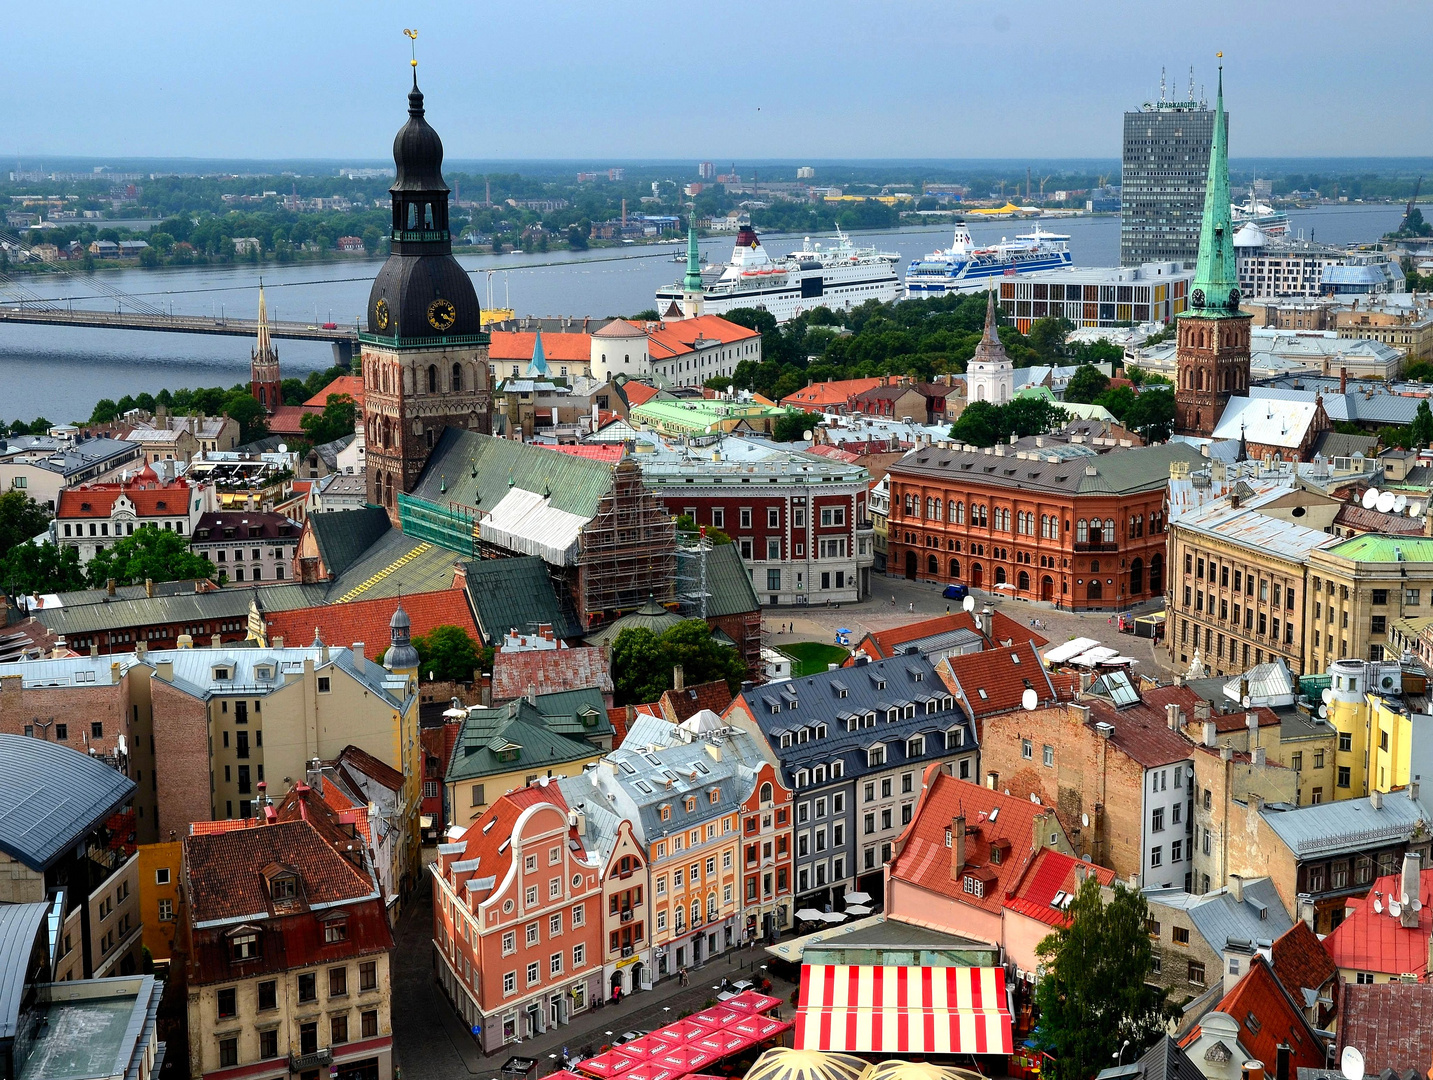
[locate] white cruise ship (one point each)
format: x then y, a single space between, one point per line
838 275
965 267
1271 222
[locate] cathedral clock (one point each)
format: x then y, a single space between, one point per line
441 314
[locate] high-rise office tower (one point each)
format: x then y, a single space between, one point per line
1166 161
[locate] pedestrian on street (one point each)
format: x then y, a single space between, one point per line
893 601
911 607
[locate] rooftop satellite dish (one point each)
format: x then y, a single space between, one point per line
1085 820
1369 498
1395 908
1029 700
1351 1063
1377 906
969 604
283 448
1327 695
1400 503
1323 712
1386 502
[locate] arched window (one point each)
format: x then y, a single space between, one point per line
457 378
1000 575
412 215
766 791
1109 530
1136 576
932 565
432 378
1095 590
1023 581
960 513
427 215
954 569
1082 532
950 510
1156 573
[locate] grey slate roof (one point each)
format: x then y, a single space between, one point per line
180 608
1219 918
1165 1060
873 687
517 594
1344 825
343 536
729 590
19 923
426 567
51 796
1119 472
476 471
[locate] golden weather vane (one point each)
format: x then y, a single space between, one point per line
412 36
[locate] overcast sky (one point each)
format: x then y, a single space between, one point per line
725 81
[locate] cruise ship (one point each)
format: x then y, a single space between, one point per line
1271 222
964 267
835 275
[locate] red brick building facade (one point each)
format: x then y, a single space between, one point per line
1053 522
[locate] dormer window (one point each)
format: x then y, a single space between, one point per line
283 887
264 673
785 740
221 674
335 931
973 886
244 946
690 803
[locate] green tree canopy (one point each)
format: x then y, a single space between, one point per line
1047 338
985 424
793 425
1094 993
32 568
150 554
21 519
336 420
1086 384
1151 415
642 661
1423 425
450 654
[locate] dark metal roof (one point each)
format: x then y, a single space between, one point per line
19 923
517 594
344 535
51 796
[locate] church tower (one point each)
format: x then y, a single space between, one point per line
990 375
1212 353
424 353
264 363
692 297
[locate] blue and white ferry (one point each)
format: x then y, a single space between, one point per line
964 267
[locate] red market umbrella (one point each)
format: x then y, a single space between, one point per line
752 1001
650 1070
718 1016
759 1028
648 1046
686 1057
724 1042
680 1031
605 1066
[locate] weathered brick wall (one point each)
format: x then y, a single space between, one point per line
181 743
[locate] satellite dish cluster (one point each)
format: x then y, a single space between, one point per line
1388 502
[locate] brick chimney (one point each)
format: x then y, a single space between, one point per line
1343 380
957 846
679 681
1412 866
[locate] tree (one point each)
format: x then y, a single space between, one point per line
1047 338
978 424
1423 425
1151 416
32 568
21 519
793 425
642 661
576 238
1086 384
336 420
245 408
1118 400
450 654
150 554
1094 993
687 524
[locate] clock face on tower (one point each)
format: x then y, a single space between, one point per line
380 314
441 314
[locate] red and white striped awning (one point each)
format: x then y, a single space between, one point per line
917 1010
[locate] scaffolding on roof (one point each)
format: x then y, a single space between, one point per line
628 550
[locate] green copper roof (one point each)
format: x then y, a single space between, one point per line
539 357
1373 548
1216 278
693 281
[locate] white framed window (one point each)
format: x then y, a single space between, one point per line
579 955
509 982
554 924
554 964
534 975
531 896
532 933
509 942
578 915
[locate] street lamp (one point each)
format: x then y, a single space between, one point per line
1118 1055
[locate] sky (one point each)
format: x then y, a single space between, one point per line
632 79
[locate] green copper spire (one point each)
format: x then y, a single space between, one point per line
1216 278
693 280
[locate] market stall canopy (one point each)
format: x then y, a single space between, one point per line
903 1010
857 898
809 914
782 1063
857 909
752 1001
1059 654
613 1063
833 916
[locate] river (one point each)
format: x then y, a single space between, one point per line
60 372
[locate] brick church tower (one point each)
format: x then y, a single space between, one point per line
1212 353
424 353
264 363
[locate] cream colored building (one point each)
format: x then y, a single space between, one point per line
1360 587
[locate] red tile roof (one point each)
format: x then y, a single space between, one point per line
361 761
1267 1017
1369 940
1050 873
515 346
995 681
1142 730
1301 962
818 395
352 385
488 839
679 705
226 870
367 620
638 393
883 644
678 336
1390 1023
592 451
150 498
550 671
288 419
924 859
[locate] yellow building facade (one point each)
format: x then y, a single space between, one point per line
159 869
1375 729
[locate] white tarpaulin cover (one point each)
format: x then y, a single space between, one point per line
523 522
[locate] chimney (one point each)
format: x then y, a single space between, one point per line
1236 887
1211 733
1375 799
149 587
1281 1062
140 649
278 642
1171 716
678 678
1413 789
1258 757
1343 380
531 694
164 669
215 641
1252 1070
109 587
358 658
957 846
1086 678
1226 753
1412 864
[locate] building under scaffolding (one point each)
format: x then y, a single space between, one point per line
713 584
603 534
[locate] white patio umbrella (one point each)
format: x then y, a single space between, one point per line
809 914
857 898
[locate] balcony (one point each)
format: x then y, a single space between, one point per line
319 1059
1097 545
